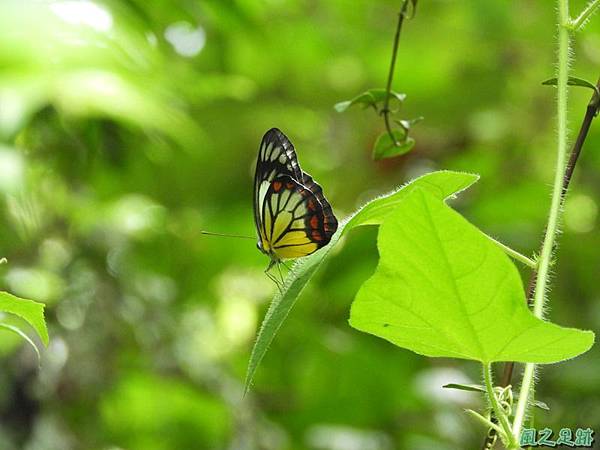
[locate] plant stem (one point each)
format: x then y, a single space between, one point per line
591 112
388 89
498 411
484 421
555 208
578 23
553 219
514 254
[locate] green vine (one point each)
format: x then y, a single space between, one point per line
565 27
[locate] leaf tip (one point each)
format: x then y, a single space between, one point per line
342 106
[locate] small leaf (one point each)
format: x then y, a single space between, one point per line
406 124
369 98
443 289
541 405
480 388
385 147
379 95
32 312
465 387
573 81
413 9
342 106
442 184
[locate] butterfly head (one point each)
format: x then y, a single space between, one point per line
267 251
259 245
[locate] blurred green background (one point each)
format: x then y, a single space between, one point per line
126 127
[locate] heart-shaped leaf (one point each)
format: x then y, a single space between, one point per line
386 147
442 288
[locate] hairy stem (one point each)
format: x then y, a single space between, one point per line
498 411
388 88
555 208
591 112
578 23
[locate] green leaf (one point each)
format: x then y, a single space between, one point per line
369 98
441 185
30 311
342 106
443 289
480 388
541 405
413 9
466 387
573 81
385 147
407 124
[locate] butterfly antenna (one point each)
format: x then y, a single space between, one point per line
240 236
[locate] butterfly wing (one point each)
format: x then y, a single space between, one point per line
294 223
330 222
291 214
276 157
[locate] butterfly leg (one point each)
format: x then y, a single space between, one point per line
280 274
272 277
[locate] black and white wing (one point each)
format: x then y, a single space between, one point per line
276 158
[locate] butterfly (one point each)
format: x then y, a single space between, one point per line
292 216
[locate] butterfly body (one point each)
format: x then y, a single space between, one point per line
292 216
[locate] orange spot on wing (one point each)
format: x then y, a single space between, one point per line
289 185
316 236
277 186
314 222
